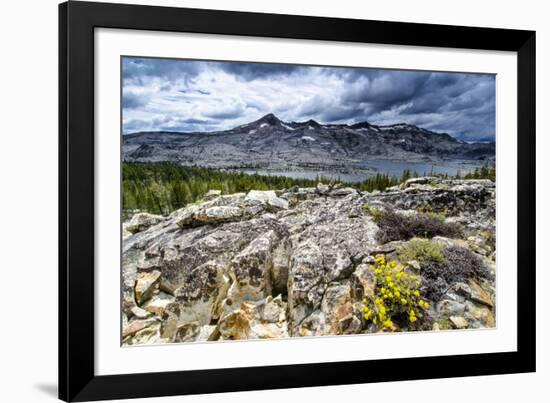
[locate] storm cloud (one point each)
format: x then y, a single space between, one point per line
187 95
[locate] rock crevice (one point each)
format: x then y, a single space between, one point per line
295 262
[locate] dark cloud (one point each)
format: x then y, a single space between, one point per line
200 95
138 70
253 71
132 100
229 111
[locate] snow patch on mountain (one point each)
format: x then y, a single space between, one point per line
287 127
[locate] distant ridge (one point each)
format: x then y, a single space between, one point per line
272 143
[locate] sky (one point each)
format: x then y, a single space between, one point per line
189 95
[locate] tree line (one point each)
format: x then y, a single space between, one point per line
161 188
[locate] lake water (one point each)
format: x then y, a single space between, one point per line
371 168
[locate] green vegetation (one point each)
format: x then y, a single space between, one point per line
376 182
423 251
400 227
161 188
485 172
396 300
165 187
459 265
444 324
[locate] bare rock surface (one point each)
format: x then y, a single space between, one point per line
294 262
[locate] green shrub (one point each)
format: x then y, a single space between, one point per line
399 227
444 324
423 251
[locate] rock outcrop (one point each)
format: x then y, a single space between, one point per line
294 262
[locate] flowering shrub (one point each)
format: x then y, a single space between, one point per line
396 298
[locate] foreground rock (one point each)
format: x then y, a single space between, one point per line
142 221
259 265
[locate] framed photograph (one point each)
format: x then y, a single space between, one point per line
257 201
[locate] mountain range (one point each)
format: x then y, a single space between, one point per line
270 143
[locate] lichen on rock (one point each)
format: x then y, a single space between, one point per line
299 262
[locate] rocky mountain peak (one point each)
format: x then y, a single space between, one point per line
275 144
312 123
270 119
361 125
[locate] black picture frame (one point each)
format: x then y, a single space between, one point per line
77 21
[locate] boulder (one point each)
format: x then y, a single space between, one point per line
147 335
157 304
483 315
212 194
187 332
304 282
142 221
420 181
200 293
185 217
480 295
322 188
265 319
336 314
217 215
459 322
341 192
450 308
268 198
140 313
135 326
363 282
208 333
146 284
251 269
463 289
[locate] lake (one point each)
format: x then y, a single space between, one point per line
371 168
